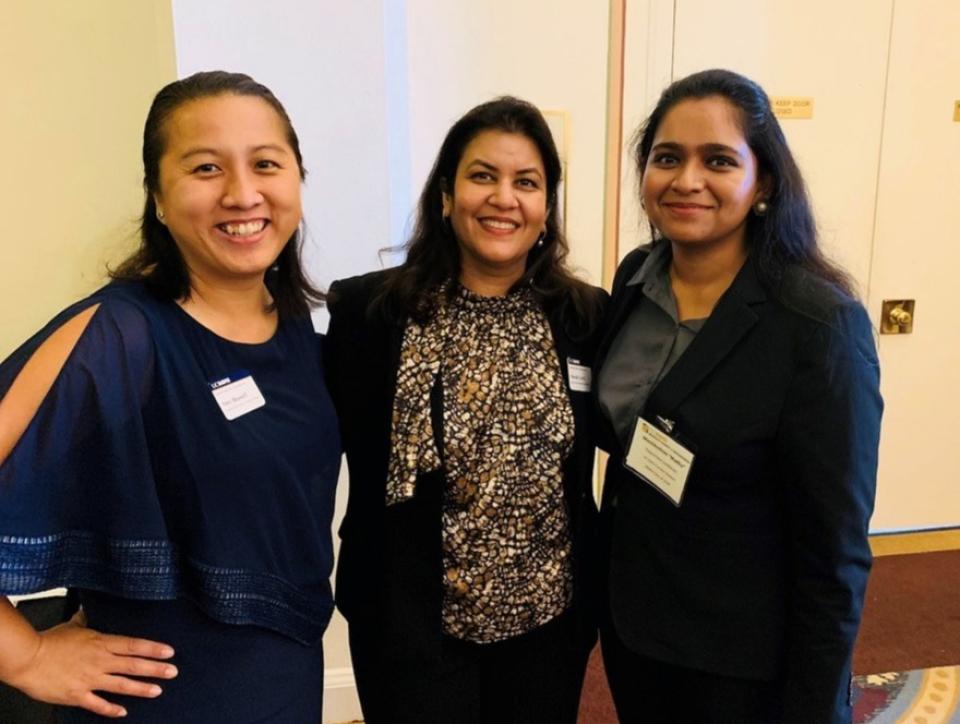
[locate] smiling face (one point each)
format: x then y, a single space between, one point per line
498 206
700 179
229 186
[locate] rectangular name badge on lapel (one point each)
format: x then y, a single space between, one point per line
237 395
659 459
580 376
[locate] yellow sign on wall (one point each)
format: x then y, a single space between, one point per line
793 107
956 110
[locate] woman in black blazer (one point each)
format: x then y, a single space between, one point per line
461 379
738 396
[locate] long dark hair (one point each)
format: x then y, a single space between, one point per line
787 234
157 261
432 252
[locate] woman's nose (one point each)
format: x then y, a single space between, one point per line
689 178
503 196
242 191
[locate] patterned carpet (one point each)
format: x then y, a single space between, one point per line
926 696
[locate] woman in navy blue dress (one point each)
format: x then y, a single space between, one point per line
168 448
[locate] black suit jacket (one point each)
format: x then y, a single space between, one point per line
761 572
390 568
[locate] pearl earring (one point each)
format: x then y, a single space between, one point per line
760 208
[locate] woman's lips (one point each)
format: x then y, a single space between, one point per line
685 209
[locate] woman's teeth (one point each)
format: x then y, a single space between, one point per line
496 224
245 229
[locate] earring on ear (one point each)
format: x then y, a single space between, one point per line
543 235
761 208
160 216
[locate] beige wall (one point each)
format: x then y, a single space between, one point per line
78 78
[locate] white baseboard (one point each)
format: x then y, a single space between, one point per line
340 702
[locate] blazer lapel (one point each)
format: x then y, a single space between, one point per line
733 317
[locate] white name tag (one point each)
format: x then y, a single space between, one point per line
580 376
237 397
659 460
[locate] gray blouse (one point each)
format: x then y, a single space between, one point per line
646 347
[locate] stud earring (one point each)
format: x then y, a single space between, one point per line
160 216
540 238
760 208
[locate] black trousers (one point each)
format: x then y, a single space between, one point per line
530 679
647 691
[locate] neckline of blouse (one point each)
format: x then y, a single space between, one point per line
226 340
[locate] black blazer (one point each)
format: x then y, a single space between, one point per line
390 564
761 572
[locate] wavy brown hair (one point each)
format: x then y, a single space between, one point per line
158 261
433 254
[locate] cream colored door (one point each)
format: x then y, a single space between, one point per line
883 77
917 256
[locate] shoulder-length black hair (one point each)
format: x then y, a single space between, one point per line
432 252
157 261
787 234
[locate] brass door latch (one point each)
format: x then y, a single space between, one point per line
896 316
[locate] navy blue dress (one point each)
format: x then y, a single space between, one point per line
174 522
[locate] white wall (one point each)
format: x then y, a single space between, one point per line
326 62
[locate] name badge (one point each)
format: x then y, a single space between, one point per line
237 395
580 376
659 459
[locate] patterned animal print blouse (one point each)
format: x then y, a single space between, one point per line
508 426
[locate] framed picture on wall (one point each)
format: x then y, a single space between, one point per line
559 123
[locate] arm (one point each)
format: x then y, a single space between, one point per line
828 454
22 400
67 663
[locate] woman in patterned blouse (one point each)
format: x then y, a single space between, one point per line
461 379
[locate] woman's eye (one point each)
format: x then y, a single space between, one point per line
665 159
721 161
267 163
528 183
481 176
206 168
